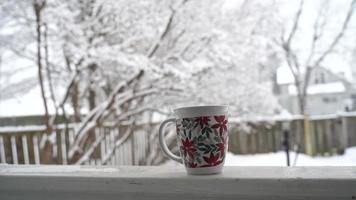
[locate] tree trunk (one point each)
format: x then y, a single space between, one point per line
38 9
75 102
301 103
46 155
49 77
92 96
92 105
301 97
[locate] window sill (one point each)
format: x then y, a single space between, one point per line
82 182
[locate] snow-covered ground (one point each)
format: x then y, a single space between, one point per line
279 159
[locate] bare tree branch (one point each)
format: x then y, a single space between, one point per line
318 29
339 35
291 57
295 24
118 143
90 151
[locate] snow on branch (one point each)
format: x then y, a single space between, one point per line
90 151
94 117
165 31
135 112
118 143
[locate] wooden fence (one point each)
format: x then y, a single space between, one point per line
325 135
26 145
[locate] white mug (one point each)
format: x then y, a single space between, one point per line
202 138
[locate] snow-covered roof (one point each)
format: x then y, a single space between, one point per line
340 66
327 88
341 69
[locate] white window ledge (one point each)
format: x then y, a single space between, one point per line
80 182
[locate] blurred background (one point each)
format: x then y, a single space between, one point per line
88 82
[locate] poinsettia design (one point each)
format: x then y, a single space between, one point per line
192 165
200 147
221 124
221 147
202 121
212 160
188 147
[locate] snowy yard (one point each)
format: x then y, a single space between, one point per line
78 78
279 159
86 85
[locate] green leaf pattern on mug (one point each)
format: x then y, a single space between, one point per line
202 140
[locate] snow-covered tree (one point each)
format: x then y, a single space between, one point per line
120 61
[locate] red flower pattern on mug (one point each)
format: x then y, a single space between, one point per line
212 160
187 147
192 165
221 124
200 148
202 121
221 147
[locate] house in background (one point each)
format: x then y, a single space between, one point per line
328 93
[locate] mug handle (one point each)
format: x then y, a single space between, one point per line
163 143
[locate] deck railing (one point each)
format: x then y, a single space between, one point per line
326 135
88 182
26 145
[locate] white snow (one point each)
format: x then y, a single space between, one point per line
30 128
54 169
26 104
279 159
30 104
284 75
326 88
